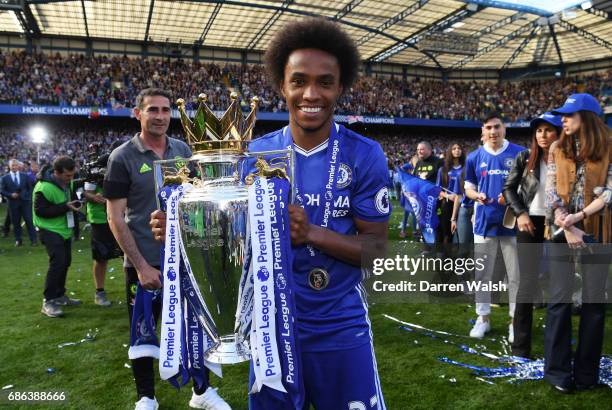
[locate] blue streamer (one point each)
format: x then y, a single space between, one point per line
517 369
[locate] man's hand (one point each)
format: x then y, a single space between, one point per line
453 226
481 198
446 195
300 226
501 200
14 195
98 199
525 224
158 225
149 277
74 205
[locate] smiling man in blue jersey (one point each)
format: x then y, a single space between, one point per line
486 169
312 62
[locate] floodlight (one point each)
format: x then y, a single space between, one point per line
38 134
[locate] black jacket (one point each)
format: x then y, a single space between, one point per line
428 166
520 187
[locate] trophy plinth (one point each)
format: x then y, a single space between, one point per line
229 350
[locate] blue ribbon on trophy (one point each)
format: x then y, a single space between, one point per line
275 357
285 301
183 342
143 337
198 342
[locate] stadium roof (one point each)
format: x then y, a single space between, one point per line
435 33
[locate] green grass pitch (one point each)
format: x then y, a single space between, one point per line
95 374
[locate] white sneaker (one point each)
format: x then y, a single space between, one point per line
480 328
510 333
101 300
209 400
146 404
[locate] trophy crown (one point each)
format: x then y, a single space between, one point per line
206 132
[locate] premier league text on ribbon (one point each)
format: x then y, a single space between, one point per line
263 274
171 321
194 328
279 274
171 311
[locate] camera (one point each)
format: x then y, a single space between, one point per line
95 167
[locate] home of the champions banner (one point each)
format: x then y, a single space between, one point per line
266 306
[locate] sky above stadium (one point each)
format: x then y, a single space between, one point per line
550 6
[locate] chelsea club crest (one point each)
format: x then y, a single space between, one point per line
345 176
414 203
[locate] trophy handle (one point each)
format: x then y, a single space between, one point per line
264 169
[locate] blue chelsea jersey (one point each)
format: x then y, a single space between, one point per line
335 317
453 179
487 171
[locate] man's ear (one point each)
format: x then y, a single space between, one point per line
281 89
136 112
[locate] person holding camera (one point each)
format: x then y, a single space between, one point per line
579 194
103 244
54 217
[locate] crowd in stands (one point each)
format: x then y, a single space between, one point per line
15 143
101 81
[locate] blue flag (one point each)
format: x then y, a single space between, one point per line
422 197
404 203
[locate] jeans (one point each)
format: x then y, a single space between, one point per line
412 223
465 230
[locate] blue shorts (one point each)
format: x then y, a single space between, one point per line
334 380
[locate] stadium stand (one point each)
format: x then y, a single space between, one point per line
77 80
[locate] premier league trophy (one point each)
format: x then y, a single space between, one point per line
212 217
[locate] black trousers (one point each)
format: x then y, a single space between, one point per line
530 251
443 233
6 228
142 368
22 209
60 257
558 368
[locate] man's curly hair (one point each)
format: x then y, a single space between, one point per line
317 33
